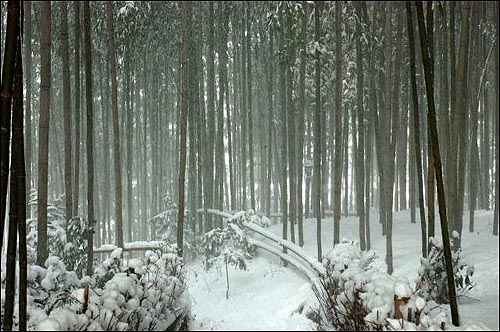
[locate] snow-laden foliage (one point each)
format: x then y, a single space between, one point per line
432 282
148 293
75 250
250 216
56 227
229 245
166 225
50 293
354 295
71 247
109 268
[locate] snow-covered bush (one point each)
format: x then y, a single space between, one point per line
354 295
432 282
56 235
342 291
75 250
56 228
67 240
49 290
228 245
109 268
166 225
250 216
140 294
150 294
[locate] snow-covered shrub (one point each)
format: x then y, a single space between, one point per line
109 268
250 216
75 250
229 246
229 243
432 282
67 240
141 294
166 225
150 294
342 291
49 290
56 228
354 295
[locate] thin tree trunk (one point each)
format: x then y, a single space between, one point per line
337 164
130 159
360 162
284 131
144 145
202 136
220 160
317 133
308 168
485 137
416 131
105 152
116 126
431 184
249 104
29 63
200 124
76 143
13 19
243 141
270 122
460 123
431 116
345 158
413 188
472 152
301 124
451 162
402 148
193 109
16 175
371 125
66 110
209 155
185 13
43 131
230 148
90 136
18 162
291 130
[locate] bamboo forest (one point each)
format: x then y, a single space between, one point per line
249 165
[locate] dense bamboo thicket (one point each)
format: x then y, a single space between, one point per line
116 111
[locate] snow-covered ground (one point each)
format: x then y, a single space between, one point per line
262 298
268 296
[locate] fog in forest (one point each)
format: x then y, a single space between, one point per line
239 165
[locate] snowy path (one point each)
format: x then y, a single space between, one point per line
265 297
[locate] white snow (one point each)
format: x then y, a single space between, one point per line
401 289
269 296
49 324
480 306
265 297
117 253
